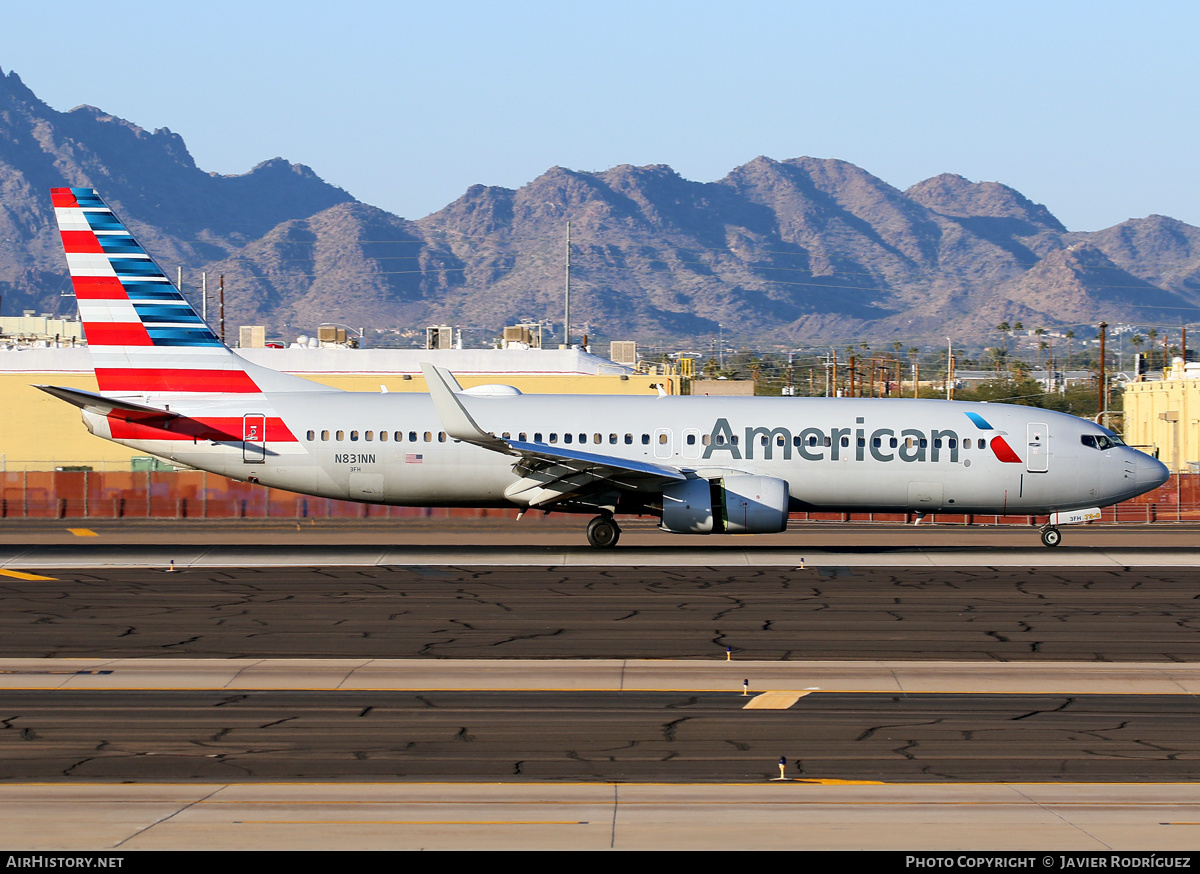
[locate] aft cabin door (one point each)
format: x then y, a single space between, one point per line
1038 457
254 438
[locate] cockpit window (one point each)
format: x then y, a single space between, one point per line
1101 441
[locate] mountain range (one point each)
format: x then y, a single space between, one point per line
798 251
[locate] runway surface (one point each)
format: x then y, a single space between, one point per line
547 695
1163 818
617 737
560 543
841 612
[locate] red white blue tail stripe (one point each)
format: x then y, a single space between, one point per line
143 335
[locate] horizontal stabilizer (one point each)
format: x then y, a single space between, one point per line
101 405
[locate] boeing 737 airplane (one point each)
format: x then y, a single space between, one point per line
702 465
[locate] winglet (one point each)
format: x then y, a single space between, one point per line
455 418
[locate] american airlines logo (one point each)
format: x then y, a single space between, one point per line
882 444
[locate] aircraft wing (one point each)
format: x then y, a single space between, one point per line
548 474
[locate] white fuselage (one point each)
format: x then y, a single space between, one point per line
834 454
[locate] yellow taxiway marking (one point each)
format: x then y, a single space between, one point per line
21 575
773 700
832 781
410 822
83 532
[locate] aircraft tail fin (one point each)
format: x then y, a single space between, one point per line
143 335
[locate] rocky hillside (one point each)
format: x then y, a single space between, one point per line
797 251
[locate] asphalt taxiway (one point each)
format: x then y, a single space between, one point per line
988 693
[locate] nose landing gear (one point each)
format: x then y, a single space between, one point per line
1051 536
603 532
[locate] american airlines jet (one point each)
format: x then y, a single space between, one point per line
702 465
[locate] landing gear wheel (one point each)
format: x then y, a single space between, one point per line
603 532
1051 536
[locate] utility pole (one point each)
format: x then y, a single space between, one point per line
567 301
204 297
1103 399
221 306
949 369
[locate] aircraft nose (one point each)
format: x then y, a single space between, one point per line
1151 473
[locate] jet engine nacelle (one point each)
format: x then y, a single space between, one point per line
743 504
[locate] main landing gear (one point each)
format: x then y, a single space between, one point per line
1051 536
603 532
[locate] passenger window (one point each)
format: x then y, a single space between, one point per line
324 435
937 444
893 443
953 443
566 438
353 436
662 439
779 441
877 442
691 439
629 439
537 436
597 438
862 441
762 440
428 436
369 436
311 435
383 436
341 435
612 439
982 443
441 436
412 436
583 438
734 439
553 437
828 441
504 435
521 437
845 442
645 439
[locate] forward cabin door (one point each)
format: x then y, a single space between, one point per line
254 438
1038 453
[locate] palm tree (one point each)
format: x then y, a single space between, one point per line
1070 337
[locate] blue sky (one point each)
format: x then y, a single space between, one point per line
1089 108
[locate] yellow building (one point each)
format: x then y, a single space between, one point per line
1163 416
40 432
